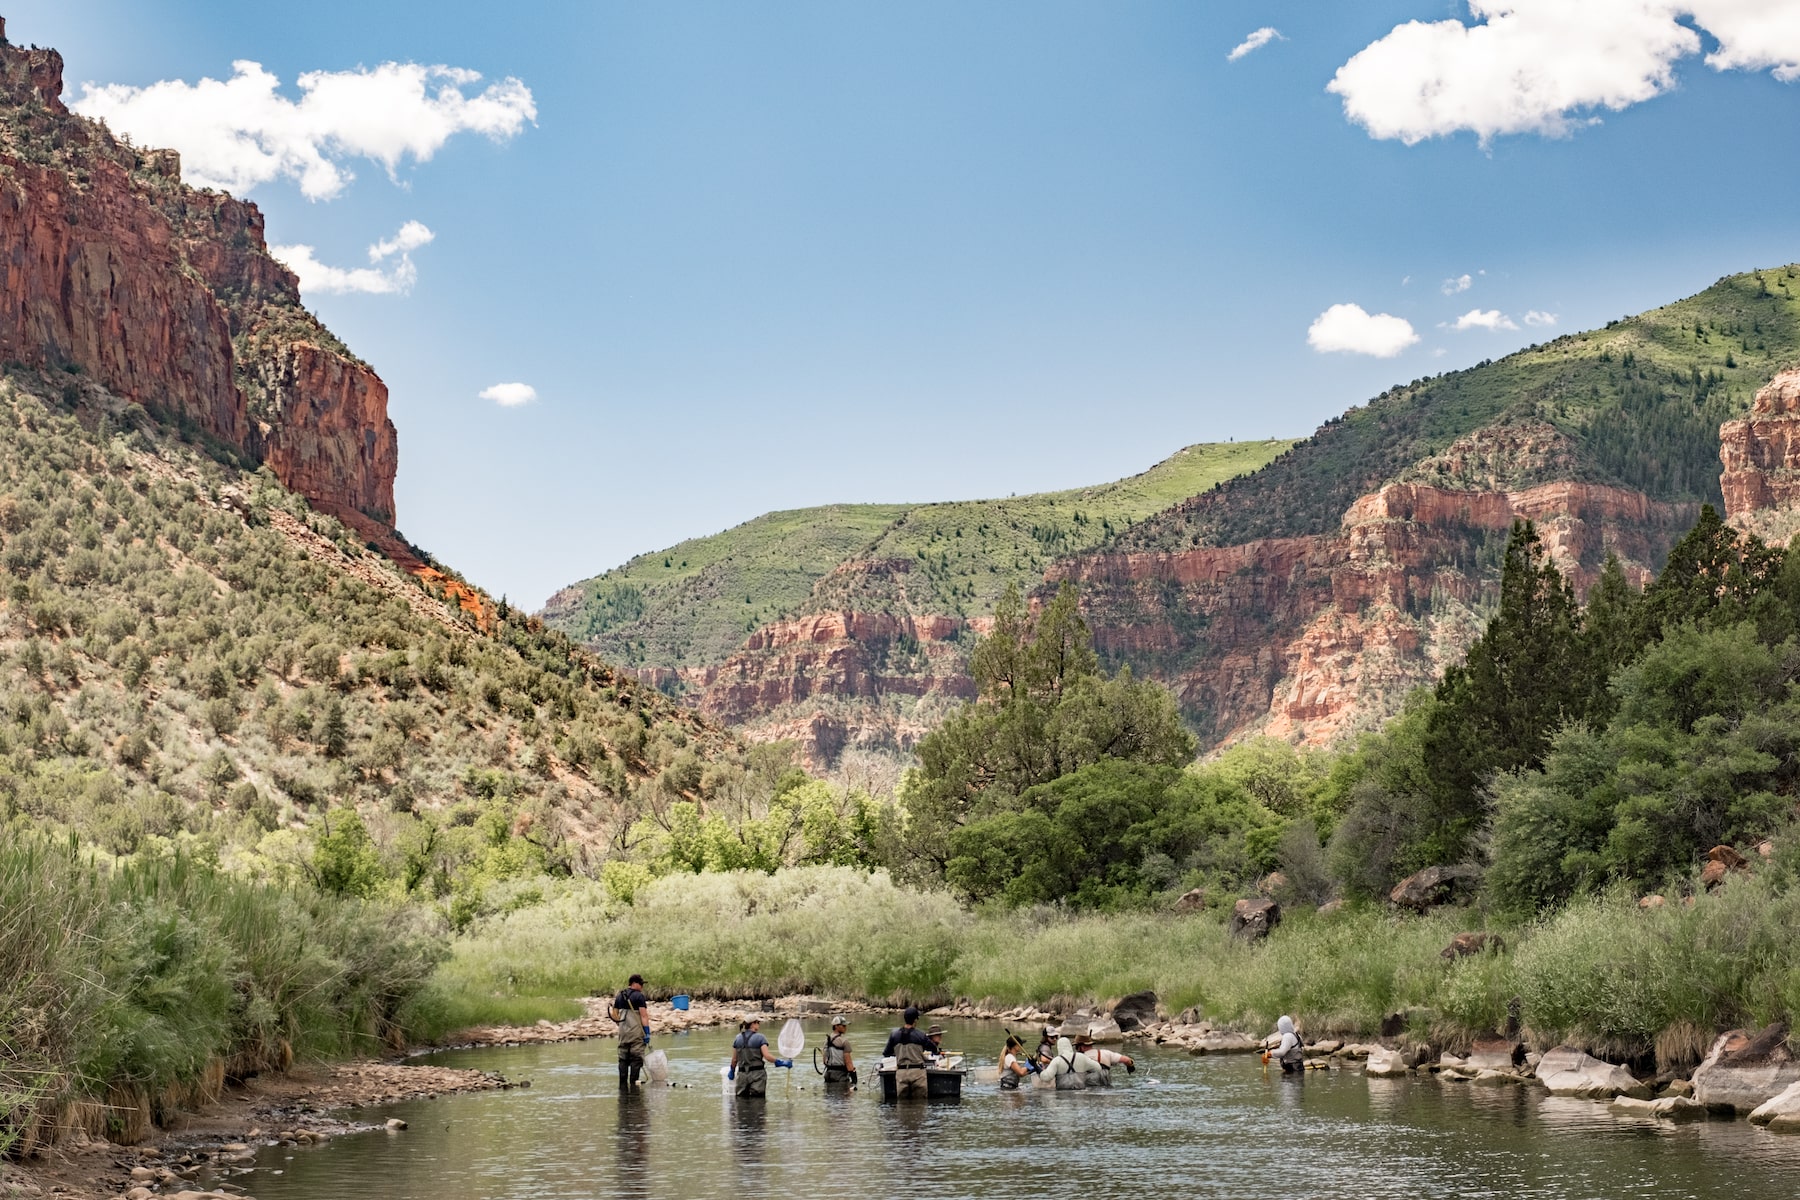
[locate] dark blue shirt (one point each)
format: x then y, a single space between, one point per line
908 1034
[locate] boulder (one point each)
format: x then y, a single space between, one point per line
1743 1071
1496 1079
1780 1112
1105 1029
1224 1043
1386 1064
1566 1071
1135 1011
1254 918
1192 900
1651 901
1358 1050
1331 906
1271 884
1327 1046
1720 862
1496 1054
1434 886
1465 944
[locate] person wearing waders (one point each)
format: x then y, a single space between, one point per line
840 1066
1288 1050
750 1059
909 1047
1046 1048
630 1008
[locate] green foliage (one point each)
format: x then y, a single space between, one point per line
345 862
686 606
1044 711
131 980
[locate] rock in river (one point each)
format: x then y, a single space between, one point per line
1781 1113
1566 1071
1744 1071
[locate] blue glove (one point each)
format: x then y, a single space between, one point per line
785 1062
732 1074
646 1037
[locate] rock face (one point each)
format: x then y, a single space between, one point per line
1569 1072
1745 1071
168 296
1761 457
1303 638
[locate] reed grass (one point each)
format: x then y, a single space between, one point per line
129 991
1600 973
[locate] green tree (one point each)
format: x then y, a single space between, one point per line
1043 710
345 861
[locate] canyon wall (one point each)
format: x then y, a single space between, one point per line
168 296
1761 457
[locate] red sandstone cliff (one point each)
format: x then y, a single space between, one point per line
1304 638
168 296
1761 457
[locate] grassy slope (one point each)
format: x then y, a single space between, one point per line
694 602
170 666
1650 422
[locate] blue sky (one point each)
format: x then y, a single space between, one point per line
764 256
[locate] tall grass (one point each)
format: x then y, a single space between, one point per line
129 991
1600 973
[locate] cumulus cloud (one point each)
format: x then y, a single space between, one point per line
1538 318
1544 66
1461 283
374 279
510 395
1491 319
1256 41
1348 329
240 132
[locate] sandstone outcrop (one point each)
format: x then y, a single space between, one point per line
1745 1071
1761 457
168 296
1569 1072
1254 919
1307 638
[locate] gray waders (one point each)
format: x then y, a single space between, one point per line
910 1081
752 1071
631 1047
836 1048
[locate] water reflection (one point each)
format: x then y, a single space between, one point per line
1212 1127
632 1146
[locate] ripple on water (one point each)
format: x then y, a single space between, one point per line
1210 1127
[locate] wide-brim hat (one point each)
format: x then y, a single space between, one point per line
934 1031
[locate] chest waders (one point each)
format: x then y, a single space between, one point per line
631 1042
909 1071
835 1049
1067 1080
752 1071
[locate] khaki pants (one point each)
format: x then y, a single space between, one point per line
911 1083
752 1083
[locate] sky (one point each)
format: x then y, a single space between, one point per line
636 273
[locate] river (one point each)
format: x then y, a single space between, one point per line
1180 1127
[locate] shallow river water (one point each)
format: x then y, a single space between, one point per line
1180 1127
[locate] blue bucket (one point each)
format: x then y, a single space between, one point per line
679 1002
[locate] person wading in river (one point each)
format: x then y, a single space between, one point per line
840 1067
750 1059
909 1048
1013 1066
630 1008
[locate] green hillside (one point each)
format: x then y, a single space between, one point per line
1638 402
190 656
694 602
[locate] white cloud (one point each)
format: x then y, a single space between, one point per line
1536 317
1256 41
316 276
510 395
1544 66
1461 283
241 132
1491 319
1348 329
